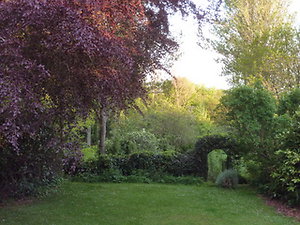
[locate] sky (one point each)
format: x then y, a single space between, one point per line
197 64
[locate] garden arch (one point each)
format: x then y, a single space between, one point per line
209 143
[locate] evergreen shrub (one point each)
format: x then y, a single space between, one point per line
227 179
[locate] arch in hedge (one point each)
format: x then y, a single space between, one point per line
209 143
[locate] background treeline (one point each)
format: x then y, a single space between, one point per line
171 117
157 135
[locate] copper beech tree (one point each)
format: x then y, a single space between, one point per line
59 59
62 58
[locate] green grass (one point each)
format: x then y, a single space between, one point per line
156 204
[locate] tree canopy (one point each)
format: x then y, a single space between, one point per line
258 42
250 111
59 59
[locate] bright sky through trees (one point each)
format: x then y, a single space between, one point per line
199 65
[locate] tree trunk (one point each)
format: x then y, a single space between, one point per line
89 136
228 162
102 130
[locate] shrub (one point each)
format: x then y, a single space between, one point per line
157 164
23 172
165 162
144 140
143 160
281 178
182 164
90 153
110 175
72 157
286 177
227 179
134 141
138 176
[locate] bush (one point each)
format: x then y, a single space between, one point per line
176 164
182 164
143 161
90 153
72 157
110 175
134 141
138 176
281 178
286 177
227 179
34 165
177 127
154 166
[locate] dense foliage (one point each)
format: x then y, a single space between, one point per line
60 59
165 162
259 45
157 163
166 124
250 110
144 167
177 114
62 40
168 118
269 143
289 102
37 165
257 41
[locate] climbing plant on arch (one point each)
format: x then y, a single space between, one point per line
209 143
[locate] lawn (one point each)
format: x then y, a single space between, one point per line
156 204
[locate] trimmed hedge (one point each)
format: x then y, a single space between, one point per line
190 163
175 164
138 176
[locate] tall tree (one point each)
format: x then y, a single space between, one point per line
258 42
250 111
60 59
63 57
